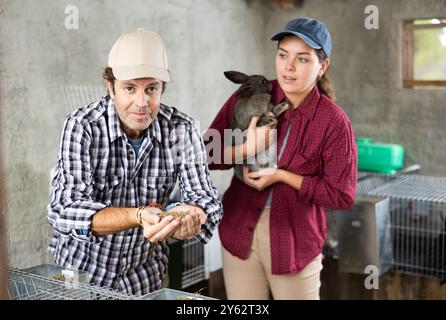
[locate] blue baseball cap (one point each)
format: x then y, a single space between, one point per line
313 32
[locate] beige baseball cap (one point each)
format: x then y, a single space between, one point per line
139 54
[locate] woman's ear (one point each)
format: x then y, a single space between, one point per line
324 67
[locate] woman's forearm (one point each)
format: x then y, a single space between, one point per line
292 179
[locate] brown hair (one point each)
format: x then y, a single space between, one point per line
109 76
323 83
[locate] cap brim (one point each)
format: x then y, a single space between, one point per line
302 36
136 72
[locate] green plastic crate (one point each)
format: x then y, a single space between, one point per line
379 157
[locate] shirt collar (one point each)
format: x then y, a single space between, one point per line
307 107
165 111
155 127
277 95
114 124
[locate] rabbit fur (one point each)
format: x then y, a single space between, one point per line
253 99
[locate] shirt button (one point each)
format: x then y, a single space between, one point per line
250 229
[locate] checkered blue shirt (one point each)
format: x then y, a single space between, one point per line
97 168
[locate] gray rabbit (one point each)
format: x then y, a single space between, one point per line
253 99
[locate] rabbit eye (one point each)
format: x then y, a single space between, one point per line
264 81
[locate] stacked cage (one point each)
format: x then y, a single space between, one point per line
417 209
25 285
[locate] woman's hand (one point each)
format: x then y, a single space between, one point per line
257 138
262 179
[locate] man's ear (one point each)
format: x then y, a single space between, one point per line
111 89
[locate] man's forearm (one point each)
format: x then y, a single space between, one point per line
112 220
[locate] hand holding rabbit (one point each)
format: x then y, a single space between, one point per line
255 116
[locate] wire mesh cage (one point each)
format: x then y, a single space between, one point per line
76 96
186 263
28 286
24 285
370 182
193 263
418 223
367 182
171 294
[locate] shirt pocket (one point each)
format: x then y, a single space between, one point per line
158 189
107 189
306 166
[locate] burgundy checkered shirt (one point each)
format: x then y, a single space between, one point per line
321 147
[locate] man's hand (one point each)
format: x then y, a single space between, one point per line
155 230
261 179
190 225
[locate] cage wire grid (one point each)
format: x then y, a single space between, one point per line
417 220
193 263
77 96
27 286
24 285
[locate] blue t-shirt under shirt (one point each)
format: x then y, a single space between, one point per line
136 144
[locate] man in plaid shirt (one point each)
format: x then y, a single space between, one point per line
119 160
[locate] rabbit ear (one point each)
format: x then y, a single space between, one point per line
236 77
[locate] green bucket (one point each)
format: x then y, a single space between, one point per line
384 158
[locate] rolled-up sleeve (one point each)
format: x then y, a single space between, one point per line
71 206
195 183
335 187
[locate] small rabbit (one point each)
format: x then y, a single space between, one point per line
253 99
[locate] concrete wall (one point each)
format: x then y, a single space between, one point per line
367 75
42 63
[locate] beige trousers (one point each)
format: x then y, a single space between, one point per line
251 279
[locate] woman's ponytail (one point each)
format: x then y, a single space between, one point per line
323 83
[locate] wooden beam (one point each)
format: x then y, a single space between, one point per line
424 83
408 51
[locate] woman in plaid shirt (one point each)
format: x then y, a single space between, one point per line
274 225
